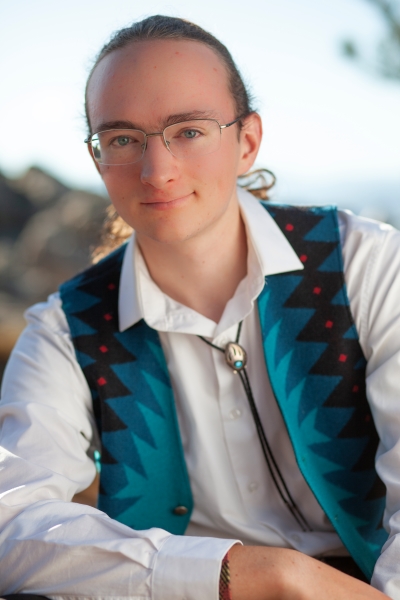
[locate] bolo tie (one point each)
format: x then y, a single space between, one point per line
236 359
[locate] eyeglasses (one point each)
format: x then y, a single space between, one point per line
184 140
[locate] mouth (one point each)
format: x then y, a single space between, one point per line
166 203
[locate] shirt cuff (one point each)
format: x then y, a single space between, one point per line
188 568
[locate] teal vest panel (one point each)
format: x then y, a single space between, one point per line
143 480
317 373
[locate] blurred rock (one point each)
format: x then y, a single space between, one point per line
15 210
39 187
11 324
47 231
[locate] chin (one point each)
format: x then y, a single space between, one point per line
171 228
167 235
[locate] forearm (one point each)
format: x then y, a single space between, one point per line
261 573
58 548
64 549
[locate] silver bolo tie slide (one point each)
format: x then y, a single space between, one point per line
235 356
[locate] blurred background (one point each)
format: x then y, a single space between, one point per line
325 75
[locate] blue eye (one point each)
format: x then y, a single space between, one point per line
190 134
123 140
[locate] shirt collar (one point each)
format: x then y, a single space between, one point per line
273 252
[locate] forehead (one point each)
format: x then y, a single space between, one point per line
146 82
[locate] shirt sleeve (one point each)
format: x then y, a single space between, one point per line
49 545
372 271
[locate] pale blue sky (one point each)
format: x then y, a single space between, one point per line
326 121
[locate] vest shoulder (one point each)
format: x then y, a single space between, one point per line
301 224
277 208
98 271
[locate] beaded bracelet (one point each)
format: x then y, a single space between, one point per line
225 579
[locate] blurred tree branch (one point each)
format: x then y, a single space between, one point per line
387 62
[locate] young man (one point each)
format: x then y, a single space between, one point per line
207 268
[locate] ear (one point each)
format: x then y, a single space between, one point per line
96 164
250 141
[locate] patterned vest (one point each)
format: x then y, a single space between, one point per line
317 372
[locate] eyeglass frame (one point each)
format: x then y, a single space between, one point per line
88 140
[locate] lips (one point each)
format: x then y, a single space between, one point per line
166 203
155 200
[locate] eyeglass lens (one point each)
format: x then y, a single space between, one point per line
184 140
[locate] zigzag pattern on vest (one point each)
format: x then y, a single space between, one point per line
317 371
133 404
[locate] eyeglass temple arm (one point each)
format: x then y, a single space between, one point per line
231 123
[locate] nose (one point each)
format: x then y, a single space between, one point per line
158 166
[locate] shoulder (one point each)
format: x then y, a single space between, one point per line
48 315
367 246
371 258
47 335
360 233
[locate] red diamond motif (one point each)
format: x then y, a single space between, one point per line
303 258
317 290
342 357
367 418
111 286
329 325
101 381
108 317
289 227
355 388
103 349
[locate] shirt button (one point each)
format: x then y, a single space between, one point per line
236 413
253 486
180 511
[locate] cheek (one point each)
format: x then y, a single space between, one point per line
221 170
119 181
219 165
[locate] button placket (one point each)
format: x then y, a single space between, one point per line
238 430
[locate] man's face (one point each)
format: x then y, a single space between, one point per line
163 197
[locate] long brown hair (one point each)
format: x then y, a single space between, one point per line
159 27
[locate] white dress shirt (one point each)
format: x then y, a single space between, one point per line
51 546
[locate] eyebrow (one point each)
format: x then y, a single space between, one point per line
170 120
188 116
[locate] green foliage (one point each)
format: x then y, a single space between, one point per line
387 54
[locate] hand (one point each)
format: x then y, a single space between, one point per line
262 573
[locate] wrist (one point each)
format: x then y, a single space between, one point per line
262 573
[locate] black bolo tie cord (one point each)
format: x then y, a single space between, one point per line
273 467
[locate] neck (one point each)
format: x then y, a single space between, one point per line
191 271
